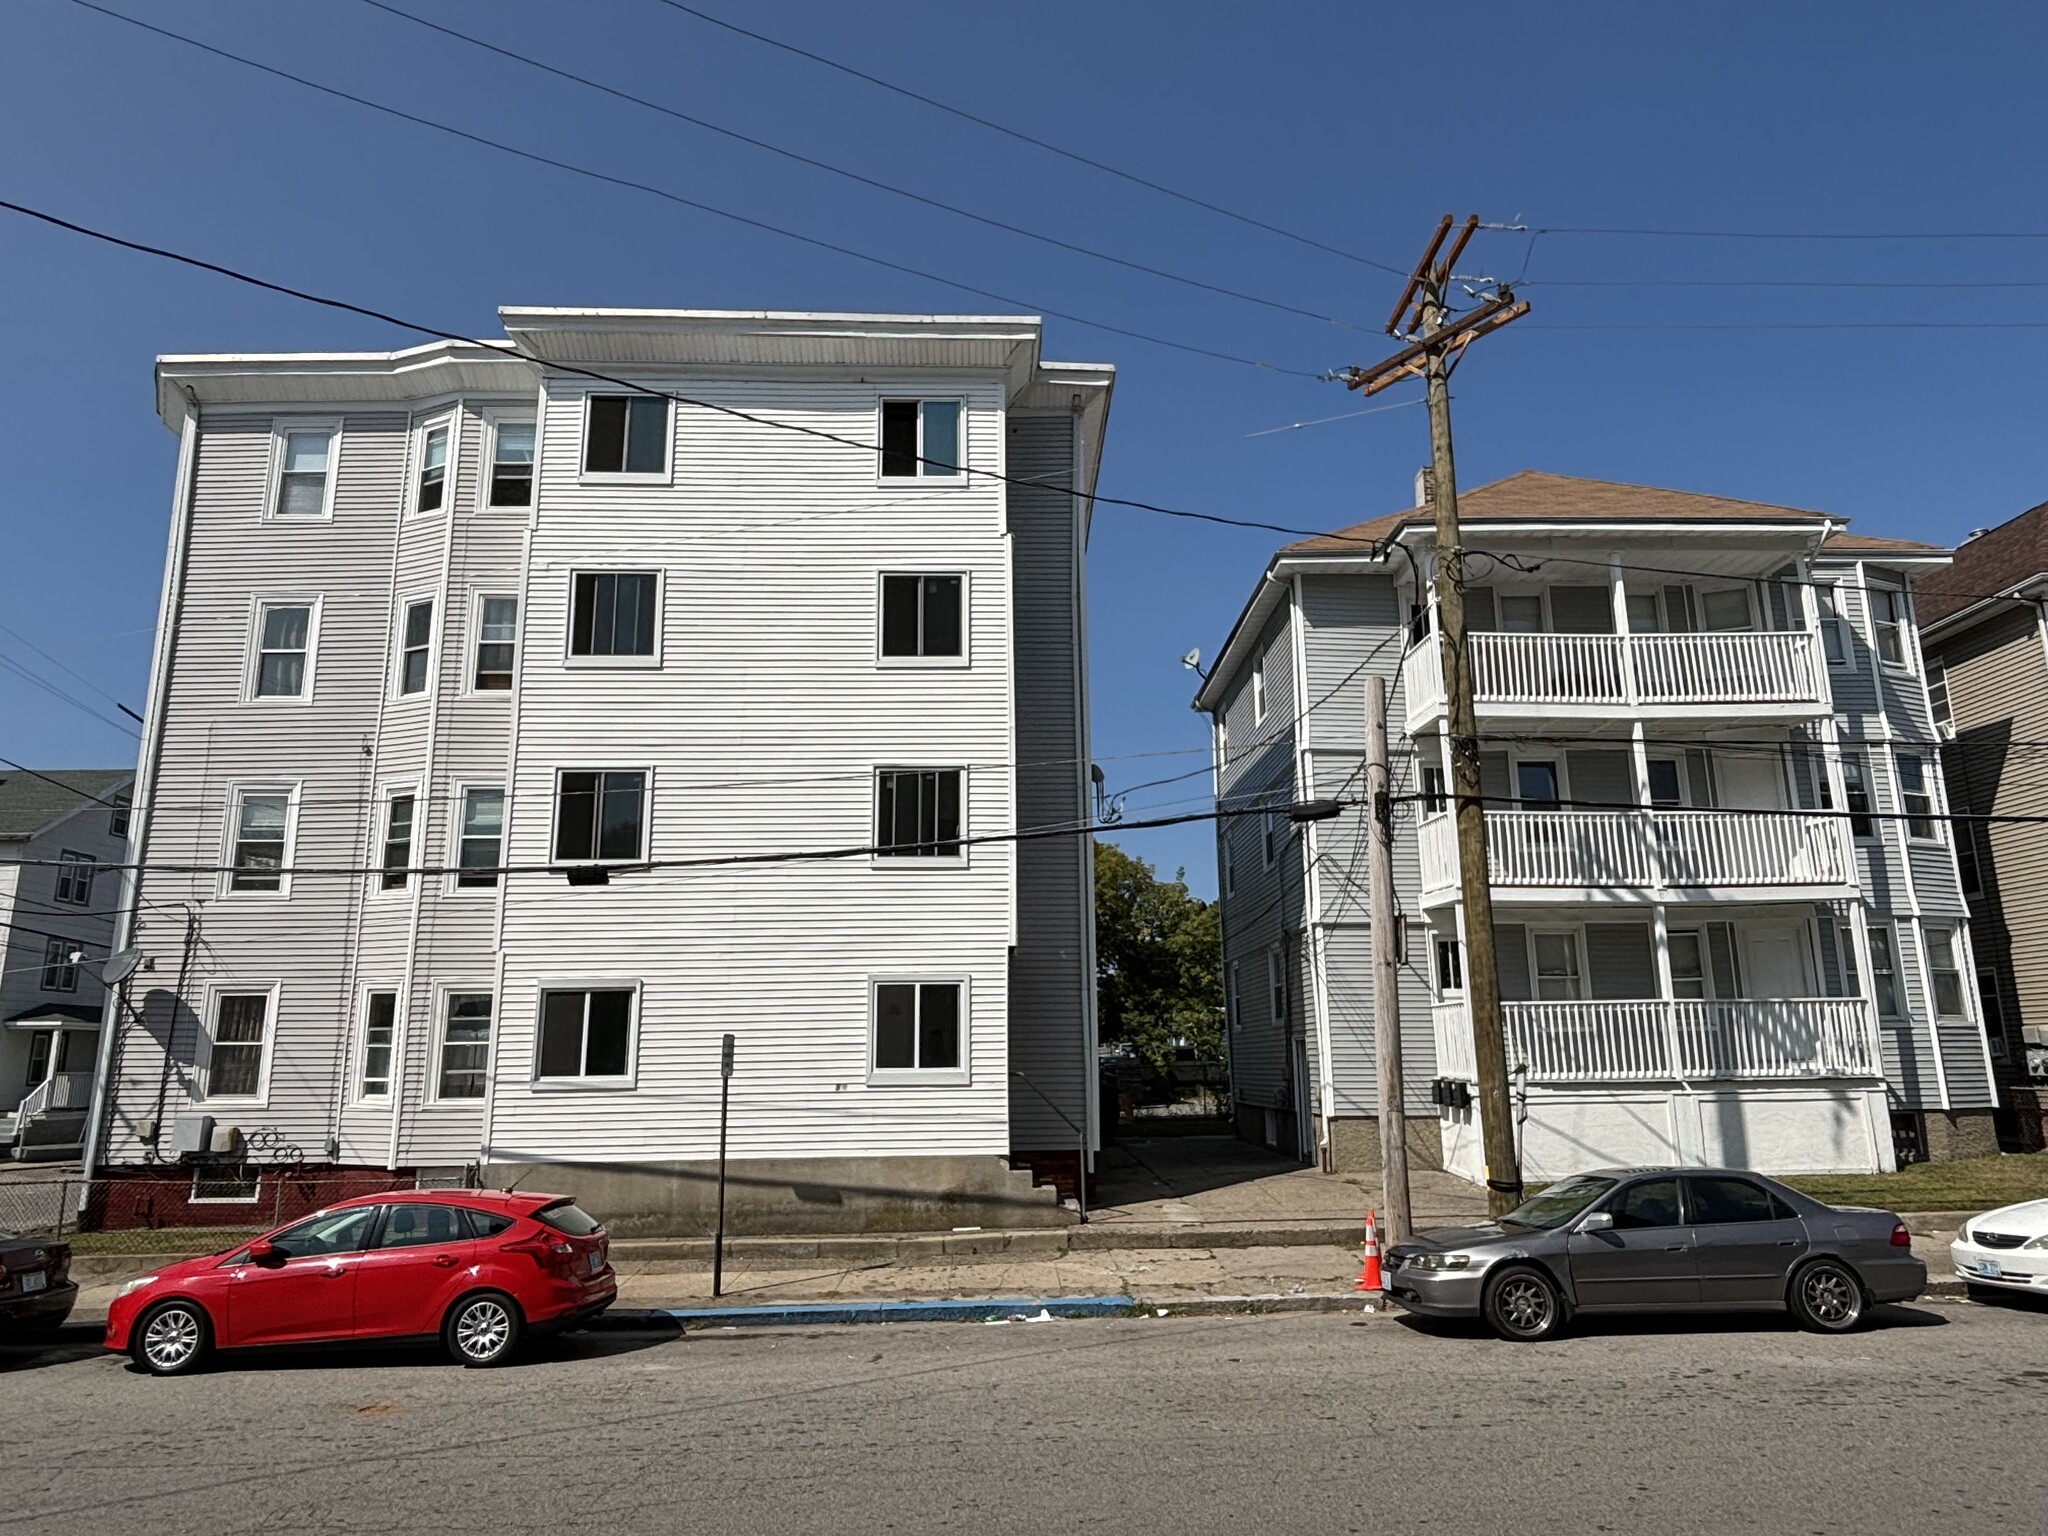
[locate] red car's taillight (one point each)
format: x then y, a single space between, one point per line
549 1253
1901 1238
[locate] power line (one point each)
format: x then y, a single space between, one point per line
81 677
1768 282
1783 234
73 789
665 194
1036 143
1371 410
972 472
856 176
14 668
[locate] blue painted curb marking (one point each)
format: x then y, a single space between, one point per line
887 1311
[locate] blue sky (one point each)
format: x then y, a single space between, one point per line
1759 117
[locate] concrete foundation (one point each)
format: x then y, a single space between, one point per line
1954 1133
797 1195
1355 1144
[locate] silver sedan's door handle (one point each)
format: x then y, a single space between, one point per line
1791 1242
1674 1247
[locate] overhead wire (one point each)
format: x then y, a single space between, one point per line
864 180
1035 142
628 183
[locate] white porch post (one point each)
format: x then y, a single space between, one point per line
1660 937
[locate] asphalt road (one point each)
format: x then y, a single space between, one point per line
1934 1419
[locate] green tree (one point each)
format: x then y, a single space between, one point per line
1158 958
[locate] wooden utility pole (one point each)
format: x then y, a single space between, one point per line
1386 973
1437 338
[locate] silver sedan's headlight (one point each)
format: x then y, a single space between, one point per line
1441 1261
129 1288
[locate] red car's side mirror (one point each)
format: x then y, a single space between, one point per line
262 1249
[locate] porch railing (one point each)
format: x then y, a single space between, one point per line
1601 850
1684 1040
1537 670
58 1092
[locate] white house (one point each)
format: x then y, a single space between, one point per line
57 828
1726 903
682 602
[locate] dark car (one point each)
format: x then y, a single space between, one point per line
1659 1240
478 1269
36 1290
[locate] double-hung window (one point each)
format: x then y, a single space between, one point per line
117 818
922 616
1914 797
1233 1003
1969 861
60 966
482 837
1557 967
1259 691
285 635
1271 830
380 1021
74 878
919 1027
1884 973
1435 800
1856 787
241 1030
1276 987
585 1033
612 614
600 815
416 647
497 632
398 823
431 493
512 464
465 1046
1937 696
626 435
921 439
1834 639
1888 622
917 813
1946 974
305 459
1450 969
262 825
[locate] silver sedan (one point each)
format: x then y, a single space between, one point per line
1659 1240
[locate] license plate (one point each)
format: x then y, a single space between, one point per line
596 1262
1989 1269
34 1280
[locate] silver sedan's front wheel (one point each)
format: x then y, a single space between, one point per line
1827 1297
1524 1305
170 1338
482 1329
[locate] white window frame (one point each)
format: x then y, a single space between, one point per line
1229 864
494 423
954 860
386 793
1958 966
1271 835
252 669
1860 761
1926 792
928 1077
118 817
461 791
359 1057
442 992
1903 623
273 994
237 789
72 867
664 476
625 1083
1440 945
407 601
1233 1000
280 427
933 481
1259 691
611 663
1580 980
1827 603
1874 926
449 420
474 639
1935 670
882 659
645 850
63 966
193 1197
1276 987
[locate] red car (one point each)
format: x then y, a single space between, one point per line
478 1268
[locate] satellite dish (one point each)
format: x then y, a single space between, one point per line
1193 660
120 966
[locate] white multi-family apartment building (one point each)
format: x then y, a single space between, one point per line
58 829
644 609
1726 904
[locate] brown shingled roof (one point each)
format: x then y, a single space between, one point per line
1532 495
2010 553
1860 543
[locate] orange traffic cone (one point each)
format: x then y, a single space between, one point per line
1369 1271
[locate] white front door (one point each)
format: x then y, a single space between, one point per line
1777 961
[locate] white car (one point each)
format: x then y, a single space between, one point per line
2007 1248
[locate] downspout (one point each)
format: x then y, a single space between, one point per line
169 605
1091 1085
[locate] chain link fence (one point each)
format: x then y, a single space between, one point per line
174 1210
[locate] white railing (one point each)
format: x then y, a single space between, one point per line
58 1092
1437 846
1453 1040
1601 848
1535 670
1656 1040
1728 848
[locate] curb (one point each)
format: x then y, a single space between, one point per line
800 1314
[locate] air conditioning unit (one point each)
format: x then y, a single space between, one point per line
191 1135
226 1138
